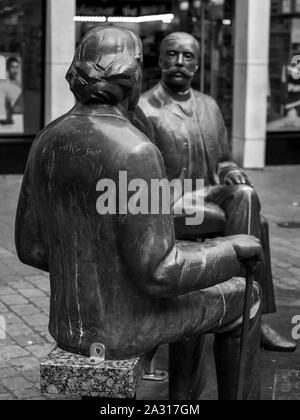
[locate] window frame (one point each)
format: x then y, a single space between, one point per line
7 138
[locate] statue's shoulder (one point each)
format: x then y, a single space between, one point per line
151 101
208 100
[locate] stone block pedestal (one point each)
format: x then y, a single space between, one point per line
68 374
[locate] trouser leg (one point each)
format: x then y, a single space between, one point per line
242 208
227 356
220 311
186 369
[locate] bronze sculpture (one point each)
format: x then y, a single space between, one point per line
188 128
122 280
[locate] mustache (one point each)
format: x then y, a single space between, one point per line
182 70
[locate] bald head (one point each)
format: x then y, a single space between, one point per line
179 60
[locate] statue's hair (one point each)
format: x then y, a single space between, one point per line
106 66
179 36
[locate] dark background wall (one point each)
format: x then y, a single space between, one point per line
13 157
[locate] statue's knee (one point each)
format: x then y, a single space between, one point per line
247 194
246 190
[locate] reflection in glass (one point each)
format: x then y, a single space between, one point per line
21 44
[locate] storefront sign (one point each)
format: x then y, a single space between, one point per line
118 8
285 7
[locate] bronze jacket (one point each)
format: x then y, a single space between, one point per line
192 138
117 280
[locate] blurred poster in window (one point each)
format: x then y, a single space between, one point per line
288 118
11 96
287 6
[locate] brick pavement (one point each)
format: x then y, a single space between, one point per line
24 291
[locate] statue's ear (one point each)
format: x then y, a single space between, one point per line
160 61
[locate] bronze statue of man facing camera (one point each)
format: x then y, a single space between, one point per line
188 128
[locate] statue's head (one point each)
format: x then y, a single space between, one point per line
107 67
179 60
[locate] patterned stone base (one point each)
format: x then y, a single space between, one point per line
68 374
287 385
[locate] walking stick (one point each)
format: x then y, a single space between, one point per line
245 332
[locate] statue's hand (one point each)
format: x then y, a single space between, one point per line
248 249
237 177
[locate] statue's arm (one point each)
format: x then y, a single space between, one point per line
29 242
229 172
158 265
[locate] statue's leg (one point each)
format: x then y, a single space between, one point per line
242 208
227 355
264 274
217 310
186 369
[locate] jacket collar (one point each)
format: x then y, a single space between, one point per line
100 110
167 99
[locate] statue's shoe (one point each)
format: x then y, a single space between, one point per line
271 340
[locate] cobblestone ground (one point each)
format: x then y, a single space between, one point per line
24 291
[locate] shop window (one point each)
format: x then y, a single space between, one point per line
210 21
284 92
21 67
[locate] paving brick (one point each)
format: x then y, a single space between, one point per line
8 341
32 375
19 329
4 291
28 394
281 264
7 397
41 302
4 253
42 283
3 308
12 318
3 282
36 320
25 364
11 351
13 299
8 373
2 389
5 270
37 280
32 293
28 309
17 282
29 340
46 335
16 383
295 270
41 350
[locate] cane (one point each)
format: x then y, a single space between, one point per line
245 332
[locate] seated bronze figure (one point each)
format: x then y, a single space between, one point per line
188 128
123 280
